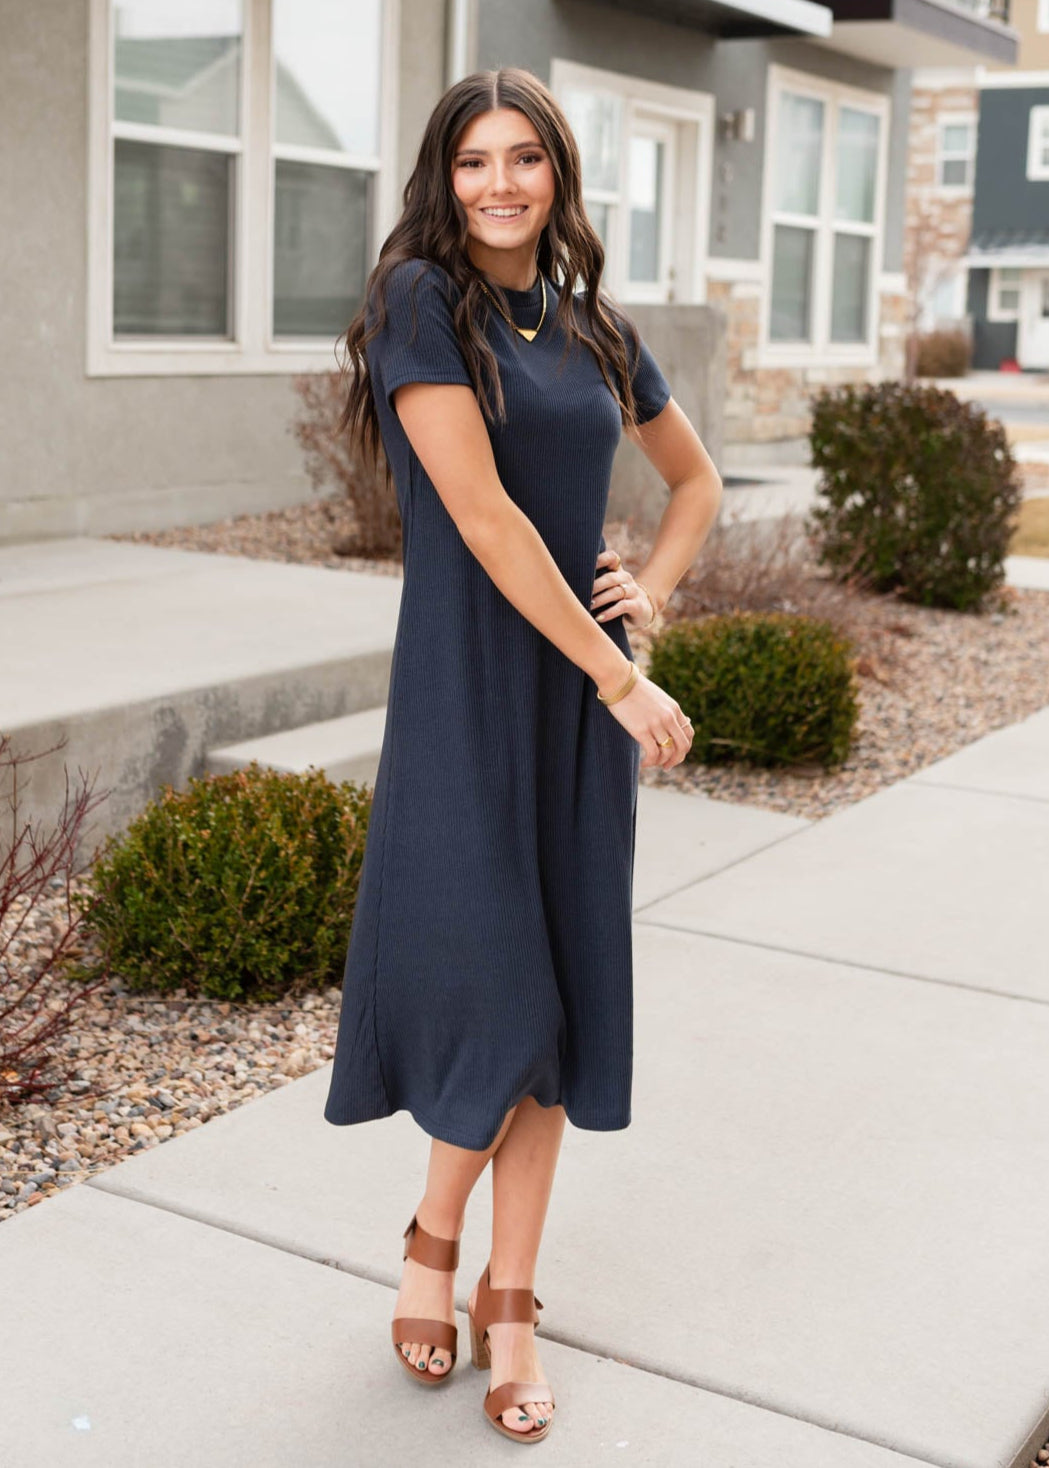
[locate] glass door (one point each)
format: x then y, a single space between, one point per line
648 219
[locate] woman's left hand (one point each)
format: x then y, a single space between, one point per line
618 594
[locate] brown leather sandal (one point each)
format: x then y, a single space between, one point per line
495 1307
435 1253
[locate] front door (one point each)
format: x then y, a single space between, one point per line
1032 347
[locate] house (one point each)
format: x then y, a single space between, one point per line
195 191
978 199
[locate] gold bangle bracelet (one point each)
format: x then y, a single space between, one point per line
651 602
624 690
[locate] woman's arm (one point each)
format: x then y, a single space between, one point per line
673 446
446 429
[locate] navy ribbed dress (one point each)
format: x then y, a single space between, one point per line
490 952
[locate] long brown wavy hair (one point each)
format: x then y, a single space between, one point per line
433 227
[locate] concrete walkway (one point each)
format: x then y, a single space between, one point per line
820 1243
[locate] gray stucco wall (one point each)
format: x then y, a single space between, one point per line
84 455
733 72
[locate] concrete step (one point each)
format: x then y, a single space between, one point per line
346 748
143 658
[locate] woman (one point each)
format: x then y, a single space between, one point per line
488 984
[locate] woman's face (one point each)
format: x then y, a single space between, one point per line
503 177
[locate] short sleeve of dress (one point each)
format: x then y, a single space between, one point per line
417 342
651 389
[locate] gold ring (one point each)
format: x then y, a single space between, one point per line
663 742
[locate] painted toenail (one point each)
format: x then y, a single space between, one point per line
421 1365
437 1362
523 1417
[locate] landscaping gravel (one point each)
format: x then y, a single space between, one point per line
134 1069
138 1069
931 681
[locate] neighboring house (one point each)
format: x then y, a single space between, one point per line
195 191
978 199
1008 254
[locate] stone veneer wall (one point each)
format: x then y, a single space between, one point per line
937 221
766 405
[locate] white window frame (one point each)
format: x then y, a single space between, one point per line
943 154
821 351
252 348
1042 22
1037 142
689 200
995 310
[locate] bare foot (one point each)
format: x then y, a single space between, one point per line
515 1358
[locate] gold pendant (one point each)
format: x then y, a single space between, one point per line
528 332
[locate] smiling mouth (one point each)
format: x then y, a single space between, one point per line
513 212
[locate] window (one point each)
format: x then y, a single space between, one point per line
645 150
824 176
239 187
1043 15
1004 302
1038 144
956 150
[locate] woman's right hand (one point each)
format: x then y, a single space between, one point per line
650 714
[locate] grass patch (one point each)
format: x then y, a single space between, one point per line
1031 537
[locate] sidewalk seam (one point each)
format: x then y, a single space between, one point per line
735 862
857 963
978 789
373 1277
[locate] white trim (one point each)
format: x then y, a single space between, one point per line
944 121
821 350
799 15
692 187
991 80
1038 143
1035 256
995 311
942 78
250 349
176 137
723 267
1042 16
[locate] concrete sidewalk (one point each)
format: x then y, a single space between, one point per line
820 1243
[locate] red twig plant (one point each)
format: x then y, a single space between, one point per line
39 870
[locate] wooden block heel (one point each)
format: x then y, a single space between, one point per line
499 1306
436 1253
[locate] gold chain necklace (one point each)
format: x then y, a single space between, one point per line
528 332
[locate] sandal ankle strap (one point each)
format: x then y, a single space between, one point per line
506 1306
429 1249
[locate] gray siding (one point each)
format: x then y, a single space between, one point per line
1004 197
734 72
993 341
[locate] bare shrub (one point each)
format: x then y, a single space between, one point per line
769 565
943 353
38 871
332 458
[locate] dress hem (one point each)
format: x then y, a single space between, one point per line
583 1121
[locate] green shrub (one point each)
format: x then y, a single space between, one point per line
943 353
918 492
240 887
772 688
